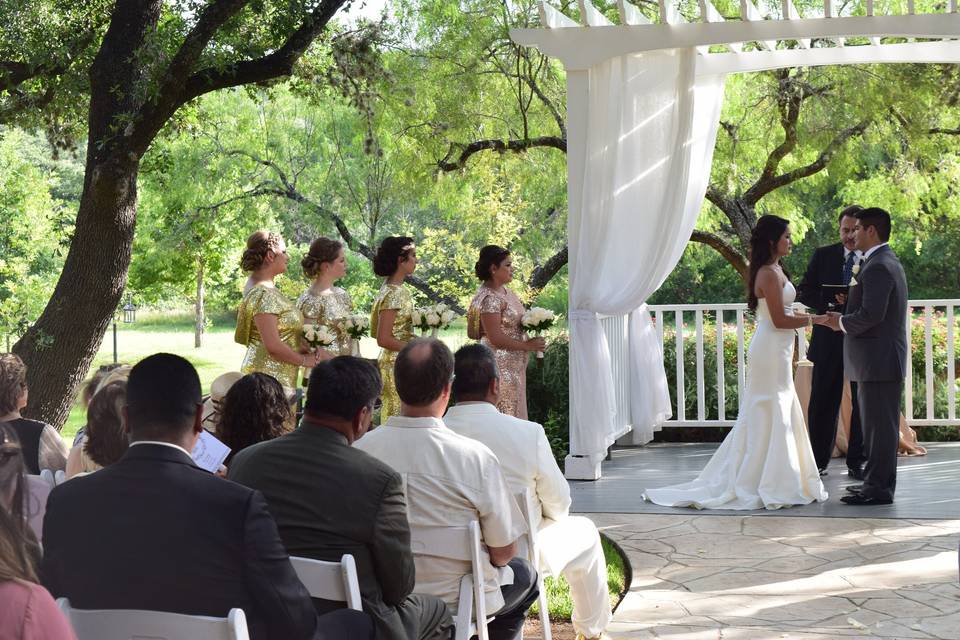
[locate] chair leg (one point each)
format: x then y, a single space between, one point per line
544 610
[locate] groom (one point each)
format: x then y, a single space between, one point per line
875 352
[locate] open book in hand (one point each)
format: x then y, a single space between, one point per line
209 453
829 294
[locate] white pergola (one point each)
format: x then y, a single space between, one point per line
643 102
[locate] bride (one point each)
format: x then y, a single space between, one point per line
766 460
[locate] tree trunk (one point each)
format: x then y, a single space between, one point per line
200 316
59 347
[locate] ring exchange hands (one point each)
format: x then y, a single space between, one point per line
830 319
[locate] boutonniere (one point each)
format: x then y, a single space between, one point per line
856 269
853 282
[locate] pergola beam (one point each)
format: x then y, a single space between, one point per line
943 52
580 48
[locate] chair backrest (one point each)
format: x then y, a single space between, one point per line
134 624
335 581
59 477
36 490
458 543
48 477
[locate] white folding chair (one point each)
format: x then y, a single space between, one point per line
36 490
459 543
48 477
134 624
59 477
335 581
527 505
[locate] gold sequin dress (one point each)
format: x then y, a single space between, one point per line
261 299
512 364
391 296
325 310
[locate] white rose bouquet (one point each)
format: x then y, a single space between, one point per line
356 326
418 317
433 318
537 320
317 335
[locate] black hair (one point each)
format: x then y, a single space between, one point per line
163 393
255 408
342 386
850 212
766 234
877 218
421 380
389 251
474 367
490 256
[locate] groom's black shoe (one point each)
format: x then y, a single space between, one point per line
854 488
823 472
855 473
860 499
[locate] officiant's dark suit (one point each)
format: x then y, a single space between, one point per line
154 531
876 354
830 265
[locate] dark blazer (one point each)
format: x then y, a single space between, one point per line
330 499
154 531
826 267
876 321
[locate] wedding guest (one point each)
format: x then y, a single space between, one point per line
390 318
267 323
213 405
255 409
43 448
569 545
106 440
162 534
450 481
29 613
494 319
23 497
323 303
79 462
833 264
329 498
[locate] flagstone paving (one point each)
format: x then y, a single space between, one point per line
700 577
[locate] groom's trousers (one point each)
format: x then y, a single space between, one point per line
880 415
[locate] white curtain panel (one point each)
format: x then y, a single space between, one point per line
651 128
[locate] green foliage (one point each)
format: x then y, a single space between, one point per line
548 394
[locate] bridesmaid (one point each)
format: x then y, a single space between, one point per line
390 318
323 303
494 318
268 323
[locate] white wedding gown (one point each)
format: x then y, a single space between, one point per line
766 461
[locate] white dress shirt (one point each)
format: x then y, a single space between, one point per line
523 451
449 480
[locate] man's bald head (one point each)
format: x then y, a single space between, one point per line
423 370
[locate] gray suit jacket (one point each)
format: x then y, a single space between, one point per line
328 499
875 348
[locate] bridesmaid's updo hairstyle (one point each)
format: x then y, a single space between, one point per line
490 256
321 250
766 234
390 250
258 244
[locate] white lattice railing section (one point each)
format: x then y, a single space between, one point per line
930 391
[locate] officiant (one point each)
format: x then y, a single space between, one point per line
823 288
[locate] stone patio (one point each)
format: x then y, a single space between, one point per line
699 577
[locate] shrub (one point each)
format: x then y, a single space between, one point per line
548 394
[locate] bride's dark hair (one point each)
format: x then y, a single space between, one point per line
766 234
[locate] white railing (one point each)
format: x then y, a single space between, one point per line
692 333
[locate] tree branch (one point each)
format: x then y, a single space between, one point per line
725 249
514 146
545 272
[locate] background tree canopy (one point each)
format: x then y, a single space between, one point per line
229 116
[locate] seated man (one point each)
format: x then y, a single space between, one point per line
154 531
451 480
569 545
329 499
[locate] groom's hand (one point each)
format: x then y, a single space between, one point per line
832 320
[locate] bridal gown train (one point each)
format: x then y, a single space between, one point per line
765 462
